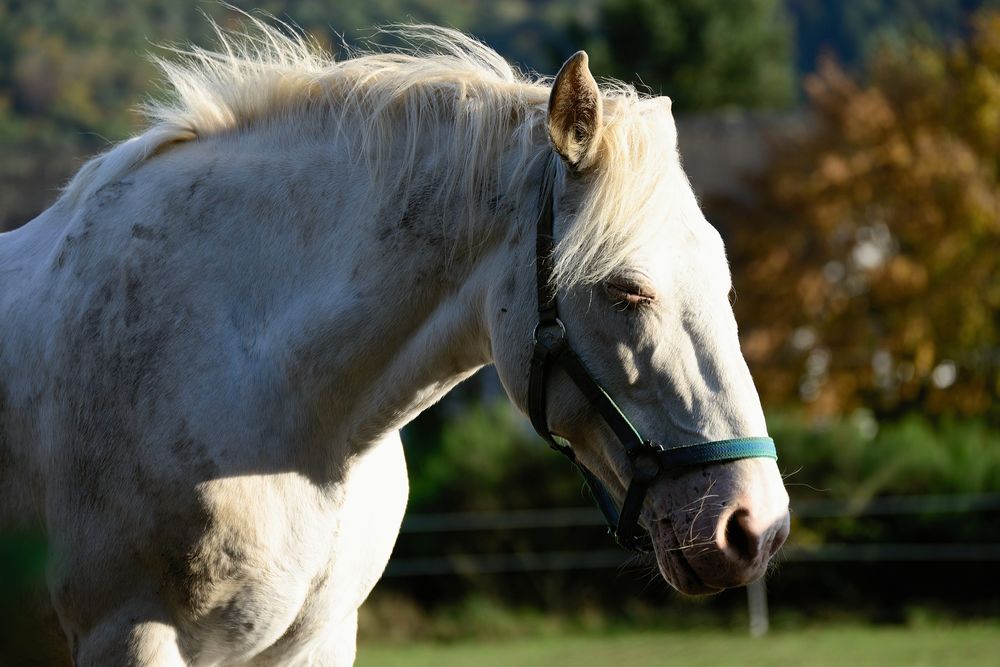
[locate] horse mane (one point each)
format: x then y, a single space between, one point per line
265 73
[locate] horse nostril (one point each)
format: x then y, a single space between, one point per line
740 539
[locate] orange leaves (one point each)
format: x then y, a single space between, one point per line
879 234
986 39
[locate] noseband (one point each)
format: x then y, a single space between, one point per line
649 459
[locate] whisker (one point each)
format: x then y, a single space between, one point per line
701 509
809 486
794 472
701 500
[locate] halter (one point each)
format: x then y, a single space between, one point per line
649 459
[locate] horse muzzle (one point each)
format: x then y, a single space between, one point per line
710 547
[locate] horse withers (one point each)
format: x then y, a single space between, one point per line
209 342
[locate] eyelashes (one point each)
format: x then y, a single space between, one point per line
629 294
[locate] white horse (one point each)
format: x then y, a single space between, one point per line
210 341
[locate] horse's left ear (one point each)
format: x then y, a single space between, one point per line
575 113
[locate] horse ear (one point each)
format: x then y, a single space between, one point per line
575 113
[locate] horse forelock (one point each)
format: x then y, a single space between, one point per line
269 74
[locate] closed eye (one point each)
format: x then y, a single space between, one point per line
628 294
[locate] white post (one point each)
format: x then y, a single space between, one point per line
757 606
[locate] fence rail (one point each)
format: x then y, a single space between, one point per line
498 563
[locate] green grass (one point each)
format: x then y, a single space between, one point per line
967 646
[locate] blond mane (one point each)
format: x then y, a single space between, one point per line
268 73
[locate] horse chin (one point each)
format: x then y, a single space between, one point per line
673 566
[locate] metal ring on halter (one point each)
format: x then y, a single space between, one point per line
543 326
645 461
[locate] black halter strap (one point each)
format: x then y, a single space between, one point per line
648 459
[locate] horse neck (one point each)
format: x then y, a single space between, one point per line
407 322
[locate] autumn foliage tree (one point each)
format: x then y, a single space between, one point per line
870 264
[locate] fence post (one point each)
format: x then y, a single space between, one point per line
757 606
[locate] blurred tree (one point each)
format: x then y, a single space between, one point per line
852 31
702 54
869 269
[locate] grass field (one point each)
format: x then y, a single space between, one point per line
967 646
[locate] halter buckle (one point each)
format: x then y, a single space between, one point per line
549 334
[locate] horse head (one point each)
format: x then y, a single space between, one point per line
643 292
